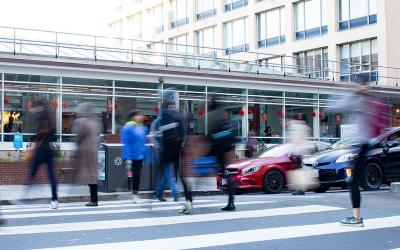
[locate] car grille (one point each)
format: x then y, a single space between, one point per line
319 164
232 172
327 175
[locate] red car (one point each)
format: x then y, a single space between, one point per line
266 171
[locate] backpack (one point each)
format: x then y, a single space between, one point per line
172 129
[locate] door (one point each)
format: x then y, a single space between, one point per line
391 166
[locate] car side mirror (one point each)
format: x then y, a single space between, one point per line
389 145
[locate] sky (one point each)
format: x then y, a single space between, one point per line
75 16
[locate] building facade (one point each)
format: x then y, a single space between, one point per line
356 36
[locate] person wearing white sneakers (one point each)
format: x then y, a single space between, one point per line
134 138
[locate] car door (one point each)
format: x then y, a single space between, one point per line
391 161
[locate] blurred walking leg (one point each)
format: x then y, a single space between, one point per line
53 182
136 169
93 196
160 183
171 182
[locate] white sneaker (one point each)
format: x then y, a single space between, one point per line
136 199
54 204
187 208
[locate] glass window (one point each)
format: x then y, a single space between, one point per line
205 9
356 13
205 40
309 19
179 43
135 24
235 4
158 19
362 57
313 63
271 27
179 13
236 36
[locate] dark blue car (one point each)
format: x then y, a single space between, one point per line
335 164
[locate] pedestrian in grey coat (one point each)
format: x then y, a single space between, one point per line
87 128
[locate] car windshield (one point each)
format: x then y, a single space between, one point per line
275 151
345 143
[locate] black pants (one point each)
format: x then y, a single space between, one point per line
137 170
357 177
44 155
171 155
93 193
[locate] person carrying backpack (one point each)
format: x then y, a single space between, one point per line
173 133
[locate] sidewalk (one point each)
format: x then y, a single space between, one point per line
70 193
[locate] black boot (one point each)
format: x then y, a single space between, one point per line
229 207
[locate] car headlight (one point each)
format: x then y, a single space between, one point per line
251 169
346 157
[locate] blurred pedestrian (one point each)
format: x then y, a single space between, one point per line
173 133
298 137
366 111
87 128
251 145
164 175
134 138
43 152
222 139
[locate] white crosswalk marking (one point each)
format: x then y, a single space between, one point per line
160 221
220 239
119 211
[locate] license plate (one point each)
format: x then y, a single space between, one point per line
314 173
223 182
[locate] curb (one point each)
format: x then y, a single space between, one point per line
106 197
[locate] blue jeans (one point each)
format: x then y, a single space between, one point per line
165 178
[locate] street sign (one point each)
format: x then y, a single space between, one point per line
18 140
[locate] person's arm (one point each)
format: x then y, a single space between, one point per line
126 141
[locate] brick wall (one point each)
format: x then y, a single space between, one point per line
14 173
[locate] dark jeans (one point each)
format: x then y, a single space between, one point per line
357 177
137 170
171 156
44 155
93 193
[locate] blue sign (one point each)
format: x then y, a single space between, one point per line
18 140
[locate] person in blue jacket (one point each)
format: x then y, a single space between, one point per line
134 138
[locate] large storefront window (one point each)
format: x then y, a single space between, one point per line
313 63
236 36
330 121
78 90
359 58
19 92
271 27
311 18
266 116
356 13
233 102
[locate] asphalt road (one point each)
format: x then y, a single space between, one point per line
260 222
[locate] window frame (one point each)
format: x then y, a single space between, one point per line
312 32
270 41
347 24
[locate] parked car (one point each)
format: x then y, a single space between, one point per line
382 165
266 171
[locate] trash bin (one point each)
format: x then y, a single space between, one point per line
112 171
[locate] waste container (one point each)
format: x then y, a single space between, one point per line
112 171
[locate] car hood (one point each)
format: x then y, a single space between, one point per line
327 156
252 162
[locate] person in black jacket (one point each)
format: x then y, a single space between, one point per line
173 133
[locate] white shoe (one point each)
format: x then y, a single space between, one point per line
54 204
136 199
187 208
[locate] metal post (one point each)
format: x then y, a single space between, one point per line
95 48
206 112
229 62
14 42
56 45
284 65
113 108
2 107
258 65
132 51
166 55
60 108
284 117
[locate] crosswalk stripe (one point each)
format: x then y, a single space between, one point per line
80 206
120 211
160 221
239 237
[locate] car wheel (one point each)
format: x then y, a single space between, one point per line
372 177
273 182
321 189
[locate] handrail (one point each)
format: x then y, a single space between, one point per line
124 50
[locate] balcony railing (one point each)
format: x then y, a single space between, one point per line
16 41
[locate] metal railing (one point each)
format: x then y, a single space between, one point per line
133 51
